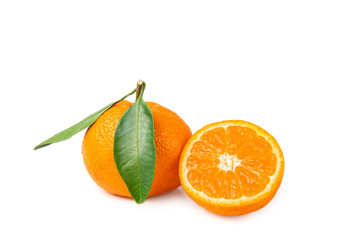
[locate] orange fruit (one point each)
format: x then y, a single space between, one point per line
231 167
171 134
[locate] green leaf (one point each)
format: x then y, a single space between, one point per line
86 122
134 149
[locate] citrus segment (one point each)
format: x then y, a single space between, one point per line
216 138
252 181
265 163
203 149
195 162
232 186
213 187
200 178
231 167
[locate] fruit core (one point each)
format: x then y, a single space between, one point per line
228 162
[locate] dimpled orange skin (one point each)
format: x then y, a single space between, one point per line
171 134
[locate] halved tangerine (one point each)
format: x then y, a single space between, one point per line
231 167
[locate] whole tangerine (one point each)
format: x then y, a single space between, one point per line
171 135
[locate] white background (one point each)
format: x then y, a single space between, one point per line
291 67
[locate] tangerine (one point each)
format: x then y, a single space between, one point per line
231 167
171 134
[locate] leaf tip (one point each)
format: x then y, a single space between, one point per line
140 201
41 146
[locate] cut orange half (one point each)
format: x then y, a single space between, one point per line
231 167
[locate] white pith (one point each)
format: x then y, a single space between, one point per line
228 162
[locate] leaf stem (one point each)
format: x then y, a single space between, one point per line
140 86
